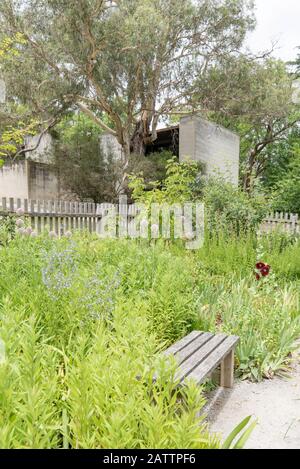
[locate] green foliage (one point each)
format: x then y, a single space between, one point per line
230 442
152 167
230 210
287 190
120 302
129 55
257 104
10 45
74 314
280 155
80 161
264 314
176 188
7 230
65 381
13 137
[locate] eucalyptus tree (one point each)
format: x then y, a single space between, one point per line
124 63
257 103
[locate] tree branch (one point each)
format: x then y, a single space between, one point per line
96 119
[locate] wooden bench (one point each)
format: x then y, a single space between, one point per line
200 353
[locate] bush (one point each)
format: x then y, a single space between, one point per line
286 197
7 230
178 186
230 210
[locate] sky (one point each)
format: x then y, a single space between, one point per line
277 20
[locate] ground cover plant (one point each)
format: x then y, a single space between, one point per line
81 318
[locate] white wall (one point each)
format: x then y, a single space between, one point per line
13 180
214 146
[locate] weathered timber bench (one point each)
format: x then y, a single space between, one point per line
200 353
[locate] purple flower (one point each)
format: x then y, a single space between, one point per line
20 223
20 212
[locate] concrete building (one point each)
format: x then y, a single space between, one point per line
32 177
194 138
197 139
215 147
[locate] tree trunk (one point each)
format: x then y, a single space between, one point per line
141 135
249 171
137 143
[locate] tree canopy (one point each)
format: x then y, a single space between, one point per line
135 61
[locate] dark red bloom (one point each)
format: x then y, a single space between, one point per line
265 271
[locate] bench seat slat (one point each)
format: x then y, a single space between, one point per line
178 346
200 373
188 366
193 348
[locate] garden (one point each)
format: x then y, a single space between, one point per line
82 318
144 105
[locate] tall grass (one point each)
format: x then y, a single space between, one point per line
69 378
82 319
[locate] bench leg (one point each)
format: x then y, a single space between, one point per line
227 371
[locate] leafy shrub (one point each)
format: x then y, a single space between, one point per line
81 164
230 210
286 197
176 188
7 230
152 166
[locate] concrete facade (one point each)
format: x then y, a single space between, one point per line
27 179
32 177
35 178
110 146
215 147
13 180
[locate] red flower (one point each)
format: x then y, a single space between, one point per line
265 271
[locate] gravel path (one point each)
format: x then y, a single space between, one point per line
275 403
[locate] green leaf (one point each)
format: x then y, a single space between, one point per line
229 440
246 435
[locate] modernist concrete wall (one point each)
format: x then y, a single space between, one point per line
34 177
30 180
214 146
43 183
110 147
43 148
13 180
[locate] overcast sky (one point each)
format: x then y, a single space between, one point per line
277 20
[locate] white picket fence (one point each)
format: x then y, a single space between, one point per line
56 216
281 222
61 216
